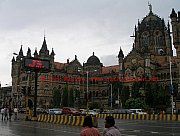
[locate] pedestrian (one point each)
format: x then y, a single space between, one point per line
5 114
15 113
110 128
10 113
88 128
2 114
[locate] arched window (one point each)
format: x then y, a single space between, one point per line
158 39
145 39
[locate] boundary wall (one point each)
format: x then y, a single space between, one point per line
163 117
64 119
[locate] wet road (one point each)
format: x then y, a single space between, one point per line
146 127
127 127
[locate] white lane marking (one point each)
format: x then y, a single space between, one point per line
136 130
153 132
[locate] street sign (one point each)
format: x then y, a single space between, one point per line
36 64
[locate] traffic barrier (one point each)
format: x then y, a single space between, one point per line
65 120
82 120
59 119
147 116
45 118
55 119
78 120
73 121
51 118
173 117
62 119
69 120
168 117
48 118
39 117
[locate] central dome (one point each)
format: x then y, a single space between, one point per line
93 60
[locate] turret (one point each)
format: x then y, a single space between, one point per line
52 53
29 52
35 53
13 60
173 15
120 58
44 52
20 55
175 30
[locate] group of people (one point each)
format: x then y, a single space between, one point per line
110 128
6 113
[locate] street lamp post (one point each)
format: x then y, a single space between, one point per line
26 96
171 88
111 96
87 91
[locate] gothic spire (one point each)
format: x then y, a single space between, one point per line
21 52
52 52
29 52
173 14
120 55
13 59
35 53
44 45
44 52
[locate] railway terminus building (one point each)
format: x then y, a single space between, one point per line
151 58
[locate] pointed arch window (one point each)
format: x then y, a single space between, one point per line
158 39
145 39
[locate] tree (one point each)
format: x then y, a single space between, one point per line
56 98
157 96
65 98
135 103
71 98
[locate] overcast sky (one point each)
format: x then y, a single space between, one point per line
73 27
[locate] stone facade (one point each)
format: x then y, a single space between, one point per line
150 58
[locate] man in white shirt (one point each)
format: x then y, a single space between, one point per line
2 114
110 128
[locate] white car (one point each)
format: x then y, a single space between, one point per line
137 111
55 111
92 112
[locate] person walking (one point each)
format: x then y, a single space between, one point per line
88 128
15 113
110 128
2 113
10 113
5 114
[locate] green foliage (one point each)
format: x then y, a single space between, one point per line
65 97
135 103
149 95
157 96
94 105
71 98
56 98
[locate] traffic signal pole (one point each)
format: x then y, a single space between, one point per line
35 96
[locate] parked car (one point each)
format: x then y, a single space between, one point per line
137 111
70 111
92 112
122 111
40 110
55 111
82 111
